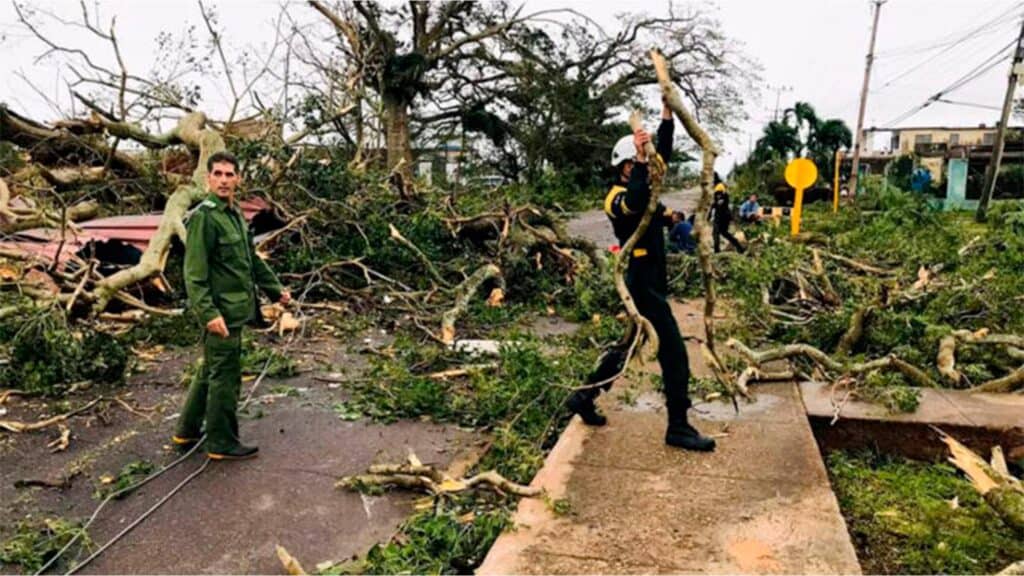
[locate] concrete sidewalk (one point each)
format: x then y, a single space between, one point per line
761 503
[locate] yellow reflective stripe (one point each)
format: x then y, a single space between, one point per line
640 252
611 198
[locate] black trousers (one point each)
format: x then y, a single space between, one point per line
652 304
723 231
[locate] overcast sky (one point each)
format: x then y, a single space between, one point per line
810 50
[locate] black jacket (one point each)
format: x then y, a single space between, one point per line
720 213
625 206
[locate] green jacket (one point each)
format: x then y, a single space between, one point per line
222 269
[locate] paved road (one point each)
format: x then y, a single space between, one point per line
594 225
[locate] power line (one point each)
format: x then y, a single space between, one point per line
972 34
971 75
968 104
913 49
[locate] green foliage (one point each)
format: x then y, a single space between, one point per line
35 542
760 176
800 132
130 473
181 331
441 541
889 390
893 229
47 355
915 518
521 400
1011 181
10 159
256 356
1009 214
900 171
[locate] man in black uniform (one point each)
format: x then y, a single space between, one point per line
647 281
720 216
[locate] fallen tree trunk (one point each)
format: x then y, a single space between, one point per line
709 152
416 476
1008 383
855 331
890 362
1015 569
12 221
14 426
53 145
753 374
463 294
191 129
1004 493
860 266
946 360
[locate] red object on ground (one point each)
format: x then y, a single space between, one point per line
132 230
614 248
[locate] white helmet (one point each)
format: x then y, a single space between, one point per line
624 150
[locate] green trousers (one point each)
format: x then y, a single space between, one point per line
213 394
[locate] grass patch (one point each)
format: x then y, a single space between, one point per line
909 517
34 543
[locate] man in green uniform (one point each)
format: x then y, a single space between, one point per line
222 272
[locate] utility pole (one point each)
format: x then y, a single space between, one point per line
992 174
859 138
778 94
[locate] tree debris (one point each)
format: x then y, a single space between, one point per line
1003 492
416 476
14 426
289 562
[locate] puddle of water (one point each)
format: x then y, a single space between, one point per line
649 401
722 410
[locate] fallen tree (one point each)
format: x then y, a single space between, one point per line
1003 492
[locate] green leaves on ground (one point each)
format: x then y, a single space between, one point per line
911 517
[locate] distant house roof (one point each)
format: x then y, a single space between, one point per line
939 128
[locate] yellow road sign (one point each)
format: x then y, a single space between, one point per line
800 173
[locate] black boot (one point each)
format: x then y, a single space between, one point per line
687 437
240 452
183 443
680 433
582 403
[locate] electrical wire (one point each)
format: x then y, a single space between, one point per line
110 497
973 74
968 104
982 30
973 34
139 520
158 473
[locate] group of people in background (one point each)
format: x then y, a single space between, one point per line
681 234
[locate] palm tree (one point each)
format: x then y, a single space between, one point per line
806 122
779 138
828 137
